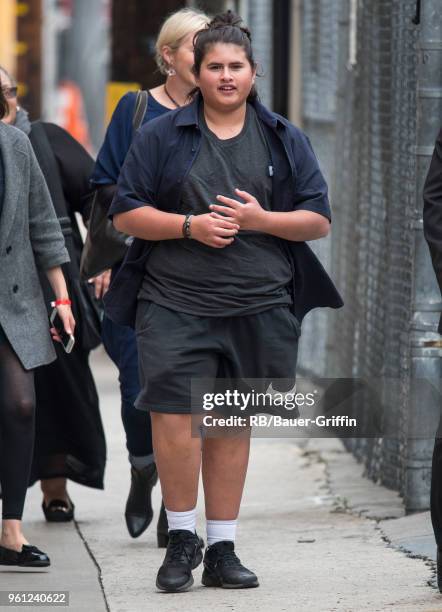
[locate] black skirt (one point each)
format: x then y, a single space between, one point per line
69 440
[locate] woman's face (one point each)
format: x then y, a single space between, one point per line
10 93
182 60
226 77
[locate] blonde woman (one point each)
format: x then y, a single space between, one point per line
174 56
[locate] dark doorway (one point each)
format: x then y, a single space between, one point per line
281 55
135 27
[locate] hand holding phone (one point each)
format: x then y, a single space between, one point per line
67 340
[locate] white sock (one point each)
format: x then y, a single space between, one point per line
217 531
181 520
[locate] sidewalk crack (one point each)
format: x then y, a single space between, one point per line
342 504
95 562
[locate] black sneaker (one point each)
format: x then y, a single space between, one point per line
222 568
184 553
29 556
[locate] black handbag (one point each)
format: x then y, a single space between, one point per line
90 313
105 246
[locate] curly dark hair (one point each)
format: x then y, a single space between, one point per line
4 107
224 28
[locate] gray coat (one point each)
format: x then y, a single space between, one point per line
30 239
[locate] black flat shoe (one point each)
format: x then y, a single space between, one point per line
139 512
29 556
222 568
58 511
162 528
184 553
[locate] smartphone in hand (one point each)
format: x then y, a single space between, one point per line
67 340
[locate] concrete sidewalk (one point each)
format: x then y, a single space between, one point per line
314 530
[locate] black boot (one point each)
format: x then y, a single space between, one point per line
162 528
184 553
139 511
29 556
222 568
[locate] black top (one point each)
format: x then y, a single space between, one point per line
250 275
75 166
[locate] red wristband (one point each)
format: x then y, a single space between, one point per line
61 303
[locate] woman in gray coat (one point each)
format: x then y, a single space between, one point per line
30 239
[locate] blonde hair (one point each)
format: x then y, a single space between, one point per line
176 27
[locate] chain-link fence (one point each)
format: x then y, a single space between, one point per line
378 238
361 111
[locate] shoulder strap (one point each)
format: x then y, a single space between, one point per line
140 110
49 166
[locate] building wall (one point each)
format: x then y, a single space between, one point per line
319 84
260 21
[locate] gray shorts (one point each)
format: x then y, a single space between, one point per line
174 348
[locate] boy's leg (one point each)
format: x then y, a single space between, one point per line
178 459
224 468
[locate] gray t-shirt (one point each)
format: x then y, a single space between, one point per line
250 275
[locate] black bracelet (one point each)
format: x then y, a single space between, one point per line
186 227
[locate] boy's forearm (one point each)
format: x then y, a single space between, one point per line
149 223
298 225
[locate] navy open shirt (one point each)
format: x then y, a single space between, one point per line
158 162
